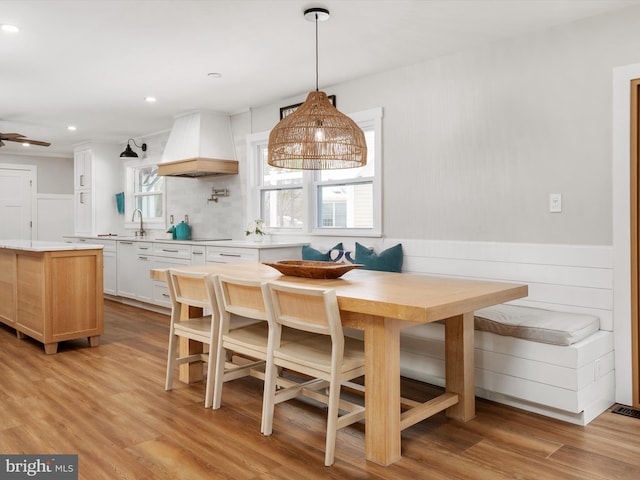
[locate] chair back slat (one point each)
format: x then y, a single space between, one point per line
195 289
310 309
242 297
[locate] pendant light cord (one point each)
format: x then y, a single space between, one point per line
316 52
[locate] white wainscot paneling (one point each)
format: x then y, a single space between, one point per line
574 383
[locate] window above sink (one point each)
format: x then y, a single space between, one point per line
144 190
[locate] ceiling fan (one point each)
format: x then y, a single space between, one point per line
18 137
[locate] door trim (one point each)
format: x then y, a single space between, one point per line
634 205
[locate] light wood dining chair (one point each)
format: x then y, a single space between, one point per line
240 351
187 290
243 351
330 358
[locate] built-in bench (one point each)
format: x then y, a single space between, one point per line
523 357
571 382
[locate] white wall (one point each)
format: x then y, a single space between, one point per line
55 216
475 142
55 174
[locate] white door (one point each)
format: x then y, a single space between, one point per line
15 203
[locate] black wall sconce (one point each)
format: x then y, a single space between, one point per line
129 153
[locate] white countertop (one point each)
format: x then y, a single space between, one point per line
216 243
45 246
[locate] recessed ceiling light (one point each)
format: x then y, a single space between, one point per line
71 128
10 28
214 75
150 99
25 144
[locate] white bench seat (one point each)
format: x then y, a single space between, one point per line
536 324
570 382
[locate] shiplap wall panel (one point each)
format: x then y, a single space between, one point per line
572 278
597 256
512 271
572 383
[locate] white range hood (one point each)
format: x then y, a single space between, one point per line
200 144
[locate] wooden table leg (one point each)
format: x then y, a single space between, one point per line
382 390
190 372
459 365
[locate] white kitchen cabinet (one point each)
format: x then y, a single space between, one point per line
198 255
109 261
135 259
83 211
168 255
232 254
160 289
82 169
97 178
134 264
250 253
172 250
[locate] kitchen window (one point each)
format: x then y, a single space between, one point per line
145 191
326 202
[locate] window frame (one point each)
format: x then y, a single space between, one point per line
369 119
149 223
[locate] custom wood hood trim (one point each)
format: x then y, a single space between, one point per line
198 167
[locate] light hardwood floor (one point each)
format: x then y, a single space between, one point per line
108 405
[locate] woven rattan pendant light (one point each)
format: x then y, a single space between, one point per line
317 136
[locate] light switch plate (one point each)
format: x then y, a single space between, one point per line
555 202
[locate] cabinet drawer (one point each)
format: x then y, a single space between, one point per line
198 253
164 262
231 254
161 294
160 289
108 245
144 248
172 250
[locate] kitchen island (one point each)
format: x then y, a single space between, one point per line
52 291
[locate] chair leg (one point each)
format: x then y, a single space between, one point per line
211 368
171 361
332 422
268 398
218 376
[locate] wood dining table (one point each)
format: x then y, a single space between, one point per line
381 304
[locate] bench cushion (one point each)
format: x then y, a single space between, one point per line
536 324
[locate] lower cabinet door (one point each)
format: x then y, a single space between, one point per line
160 289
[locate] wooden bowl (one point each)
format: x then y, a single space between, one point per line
313 269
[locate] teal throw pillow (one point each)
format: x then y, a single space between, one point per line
309 253
389 260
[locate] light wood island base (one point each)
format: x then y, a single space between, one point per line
52 292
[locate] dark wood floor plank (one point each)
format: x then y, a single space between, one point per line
108 405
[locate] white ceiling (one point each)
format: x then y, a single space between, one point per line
91 63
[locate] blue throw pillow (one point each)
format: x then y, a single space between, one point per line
389 260
309 253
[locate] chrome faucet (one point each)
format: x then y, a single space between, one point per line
140 232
